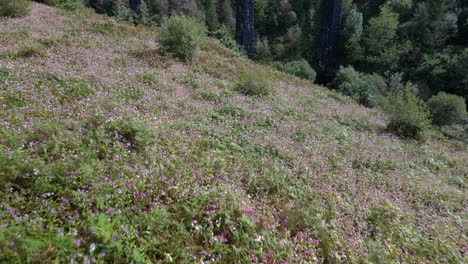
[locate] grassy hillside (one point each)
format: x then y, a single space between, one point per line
111 152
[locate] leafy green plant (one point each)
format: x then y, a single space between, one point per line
409 115
263 52
52 2
71 5
17 8
65 4
225 36
365 88
299 68
182 36
254 83
31 49
447 109
131 131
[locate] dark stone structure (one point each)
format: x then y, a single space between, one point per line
330 27
245 26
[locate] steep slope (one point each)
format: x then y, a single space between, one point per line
112 152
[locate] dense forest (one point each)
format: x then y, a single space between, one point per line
422 41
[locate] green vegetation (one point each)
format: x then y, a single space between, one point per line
263 52
299 68
367 89
409 115
52 2
447 109
182 36
31 49
65 4
113 152
225 36
17 8
254 83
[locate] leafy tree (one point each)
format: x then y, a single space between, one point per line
120 11
159 8
143 14
353 26
226 13
211 15
380 39
263 52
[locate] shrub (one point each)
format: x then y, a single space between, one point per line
31 49
17 8
263 52
301 69
447 109
182 36
409 115
71 5
225 36
65 4
52 2
254 83
365 88
131 131
143 15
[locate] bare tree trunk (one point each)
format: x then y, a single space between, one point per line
134 4
245 26
330 27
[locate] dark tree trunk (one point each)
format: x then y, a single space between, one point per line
245 26
330 27
134 4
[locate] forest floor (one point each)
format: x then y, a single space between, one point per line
113 152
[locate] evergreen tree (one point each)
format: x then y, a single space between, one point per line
120 11
144 16
211 15
226 14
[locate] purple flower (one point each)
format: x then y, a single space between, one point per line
102 254
92 247
12 244
250 212
77 242
222 238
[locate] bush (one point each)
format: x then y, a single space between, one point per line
409 115
447 109
263 52
182 36
300 68
16 8
226 37
31 49
52 2
71 5
65 4
131 131
254 83
365 88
